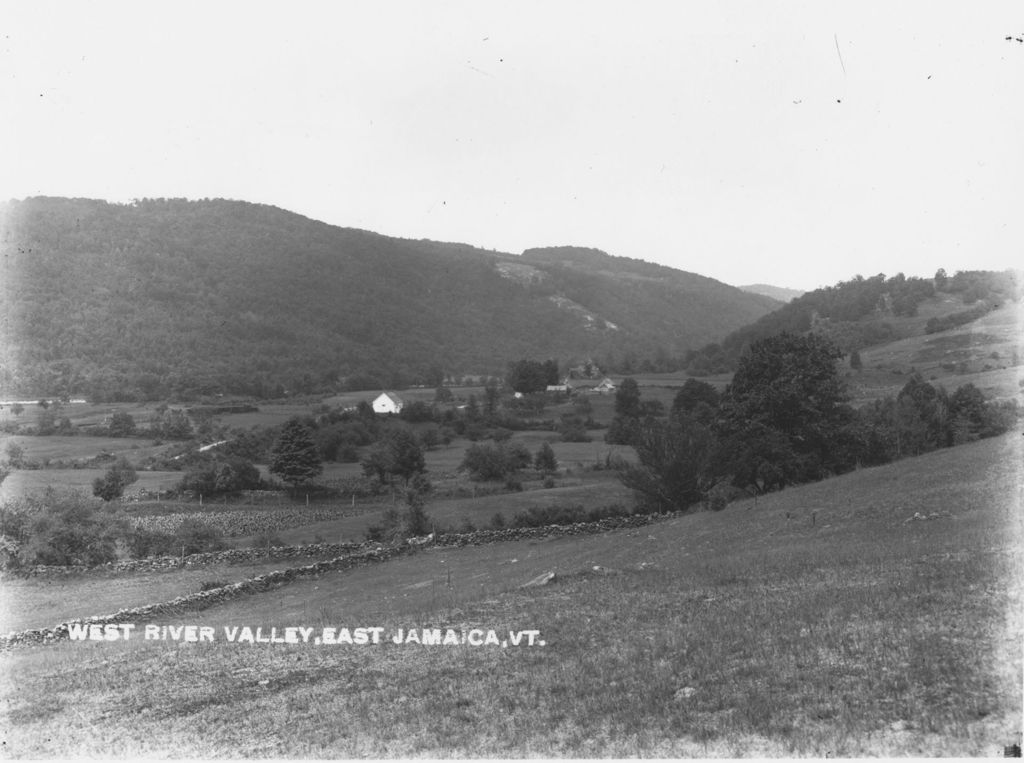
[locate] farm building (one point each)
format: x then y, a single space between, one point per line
387 402
606 387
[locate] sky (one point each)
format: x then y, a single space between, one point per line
789 143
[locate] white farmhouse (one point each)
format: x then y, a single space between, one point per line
387 402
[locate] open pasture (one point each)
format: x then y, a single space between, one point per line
452 512
84 414
23 482
70 449
46 601
825 620
999 331
981 352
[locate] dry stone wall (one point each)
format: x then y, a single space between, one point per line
243 555
353 555
198 601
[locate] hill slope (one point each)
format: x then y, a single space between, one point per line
775 292
176 297
869 312
873 614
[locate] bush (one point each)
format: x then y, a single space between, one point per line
112 484
495 462
541 516
196 537
717 502
267 539
69 529
213 476
145 543
573 429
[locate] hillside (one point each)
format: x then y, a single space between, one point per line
873 614
870 312
775 292
172 297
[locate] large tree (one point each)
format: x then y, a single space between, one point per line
785 412
528 376
295 457
679 464
398 454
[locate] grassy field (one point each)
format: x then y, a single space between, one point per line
45 602
824 620
452 512
981 353
20 482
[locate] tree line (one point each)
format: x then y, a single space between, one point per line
786 419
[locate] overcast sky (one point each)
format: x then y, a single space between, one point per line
790 143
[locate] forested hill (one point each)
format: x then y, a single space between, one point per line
863 312
173 297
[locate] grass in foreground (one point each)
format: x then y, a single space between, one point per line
821 621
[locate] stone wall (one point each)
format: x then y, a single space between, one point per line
242 555
352 555
198 601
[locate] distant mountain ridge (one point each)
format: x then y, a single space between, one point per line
780 293
169 297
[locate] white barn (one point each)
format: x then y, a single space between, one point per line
387 402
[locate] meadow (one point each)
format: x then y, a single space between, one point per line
875 613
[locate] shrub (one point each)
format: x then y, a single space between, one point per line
212 476
573 429
112 484
540 516
500 434
267 539
144 543
717 502
69 529
196 537
486 462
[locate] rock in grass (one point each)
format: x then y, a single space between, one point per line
542 579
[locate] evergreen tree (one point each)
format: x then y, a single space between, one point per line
295 457
627 399
545 461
